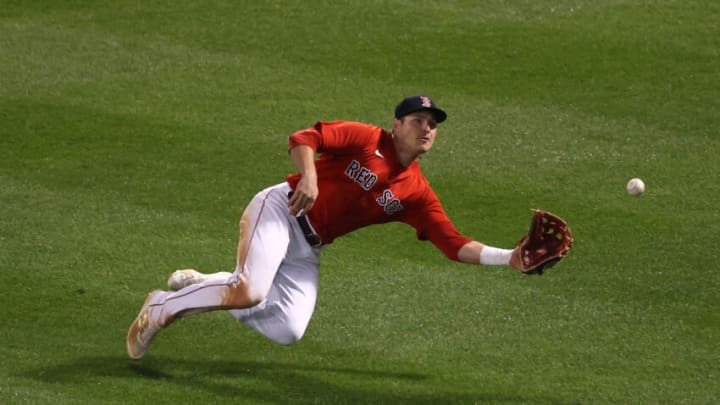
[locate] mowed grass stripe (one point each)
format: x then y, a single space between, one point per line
592 67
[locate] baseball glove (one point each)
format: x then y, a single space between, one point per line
547 242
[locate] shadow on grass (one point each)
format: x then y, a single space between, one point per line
273 382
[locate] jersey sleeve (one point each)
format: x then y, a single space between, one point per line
432 223
336 137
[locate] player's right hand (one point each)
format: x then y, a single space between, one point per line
304 196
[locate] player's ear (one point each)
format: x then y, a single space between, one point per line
396 123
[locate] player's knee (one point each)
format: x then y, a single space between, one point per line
254 298
292 332
242 295
290 329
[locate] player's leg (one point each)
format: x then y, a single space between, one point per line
263 242
285 314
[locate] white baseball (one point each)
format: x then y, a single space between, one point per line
635 186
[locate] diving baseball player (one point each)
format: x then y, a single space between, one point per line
365 175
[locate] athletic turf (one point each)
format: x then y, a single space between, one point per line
132 134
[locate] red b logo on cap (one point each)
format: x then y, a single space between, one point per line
426 102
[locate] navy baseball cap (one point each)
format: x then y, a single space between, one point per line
418 103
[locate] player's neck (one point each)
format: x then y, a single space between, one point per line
405 157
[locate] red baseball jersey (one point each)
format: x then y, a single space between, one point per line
361 183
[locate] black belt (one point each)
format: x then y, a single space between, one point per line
311 237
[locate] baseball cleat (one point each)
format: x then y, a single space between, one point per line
142 330
180 279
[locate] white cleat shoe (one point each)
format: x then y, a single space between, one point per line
180 279
142 330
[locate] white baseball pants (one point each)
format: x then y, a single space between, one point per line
275 284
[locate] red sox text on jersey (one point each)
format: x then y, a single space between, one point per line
366 179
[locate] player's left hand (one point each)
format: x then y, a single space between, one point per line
546 243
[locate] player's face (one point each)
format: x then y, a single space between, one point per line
415 132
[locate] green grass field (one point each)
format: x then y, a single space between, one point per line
132 134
